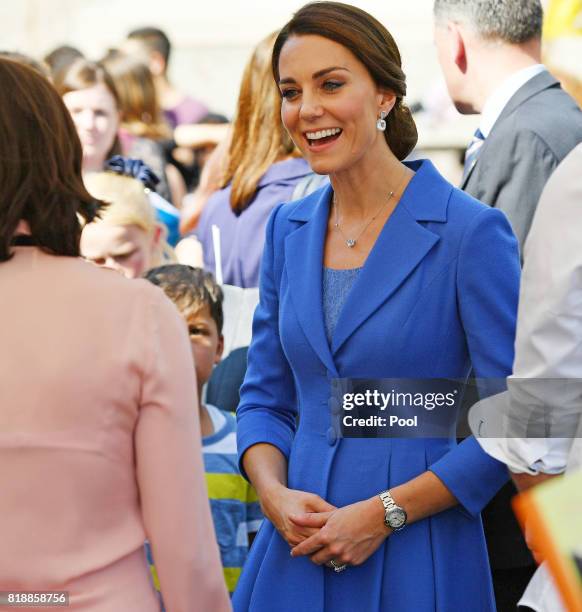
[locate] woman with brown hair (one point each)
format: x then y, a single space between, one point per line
261 168
388 273
92 99
91 95
143 130
99 444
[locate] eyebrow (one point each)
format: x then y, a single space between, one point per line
315 75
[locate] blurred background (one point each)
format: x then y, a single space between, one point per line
212 42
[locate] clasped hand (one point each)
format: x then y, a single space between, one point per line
313 527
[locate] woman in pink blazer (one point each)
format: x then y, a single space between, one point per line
99 444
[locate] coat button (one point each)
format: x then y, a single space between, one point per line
331 436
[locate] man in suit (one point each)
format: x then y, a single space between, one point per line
490 54
548 357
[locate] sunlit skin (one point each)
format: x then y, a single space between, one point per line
128 249
474 66
207 346
96 117
324 86
451 54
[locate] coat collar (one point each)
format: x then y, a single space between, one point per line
400 247
426 196
531 88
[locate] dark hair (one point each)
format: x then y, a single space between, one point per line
188 288
21 58
40 164
154 39
83 74
372 44
60 58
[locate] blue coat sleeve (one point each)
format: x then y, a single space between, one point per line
267 409
487 291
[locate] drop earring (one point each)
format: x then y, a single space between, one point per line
381 123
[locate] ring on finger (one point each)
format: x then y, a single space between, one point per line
338 567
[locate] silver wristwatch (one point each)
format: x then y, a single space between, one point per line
394 516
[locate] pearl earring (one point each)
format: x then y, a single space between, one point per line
381 123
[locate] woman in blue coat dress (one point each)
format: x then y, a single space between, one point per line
390 272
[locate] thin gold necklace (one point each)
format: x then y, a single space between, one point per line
351 242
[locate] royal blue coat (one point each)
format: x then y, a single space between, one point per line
437 295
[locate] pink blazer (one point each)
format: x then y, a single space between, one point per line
100 442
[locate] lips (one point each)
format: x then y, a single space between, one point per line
317 139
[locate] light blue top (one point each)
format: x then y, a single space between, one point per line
336 286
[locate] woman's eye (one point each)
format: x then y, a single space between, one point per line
289 94
332 85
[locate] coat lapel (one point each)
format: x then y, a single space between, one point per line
471 168
402 244
304 265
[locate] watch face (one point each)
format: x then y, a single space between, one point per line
397 518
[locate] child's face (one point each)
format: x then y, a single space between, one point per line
125 248
207 344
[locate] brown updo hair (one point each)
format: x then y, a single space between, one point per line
372 44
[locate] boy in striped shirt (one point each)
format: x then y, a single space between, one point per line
235 507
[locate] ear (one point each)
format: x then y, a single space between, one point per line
386 100
458 46
219 349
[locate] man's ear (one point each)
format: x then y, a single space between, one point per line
219 349
458 49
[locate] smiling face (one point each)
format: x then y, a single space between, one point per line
96 118
128 249
330 104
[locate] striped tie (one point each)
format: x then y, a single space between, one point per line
472 151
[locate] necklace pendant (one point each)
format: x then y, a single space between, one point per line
350 243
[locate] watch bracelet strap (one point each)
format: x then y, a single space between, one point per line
387 501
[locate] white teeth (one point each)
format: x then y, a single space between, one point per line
322 133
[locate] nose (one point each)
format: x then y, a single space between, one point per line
311 107
86 119
113 264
